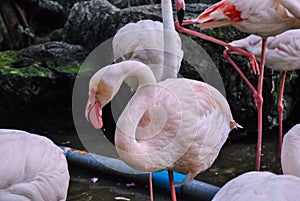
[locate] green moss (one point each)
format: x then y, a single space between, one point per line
9 58
69 69
30 71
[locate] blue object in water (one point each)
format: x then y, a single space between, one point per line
161 180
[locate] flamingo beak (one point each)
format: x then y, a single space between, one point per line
180 7
93 112
180 16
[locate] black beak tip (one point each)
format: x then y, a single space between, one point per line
180 16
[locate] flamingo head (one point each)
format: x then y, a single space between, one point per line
180 7
93 111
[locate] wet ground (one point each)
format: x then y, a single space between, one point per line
236 157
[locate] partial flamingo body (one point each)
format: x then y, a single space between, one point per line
260 186
144 42
263 18
290 161
177 124
32 168
265 186
282 53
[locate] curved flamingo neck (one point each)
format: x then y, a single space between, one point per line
107 81
147 129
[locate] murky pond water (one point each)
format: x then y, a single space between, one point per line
235 158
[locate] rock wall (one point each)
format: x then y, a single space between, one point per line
37 82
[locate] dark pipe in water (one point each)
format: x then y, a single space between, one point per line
194 190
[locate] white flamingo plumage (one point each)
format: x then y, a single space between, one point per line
177 124
32 168
265 186
282 54
263 18
144 41
153 43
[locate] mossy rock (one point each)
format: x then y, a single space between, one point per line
38 87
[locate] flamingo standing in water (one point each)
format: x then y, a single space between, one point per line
177 124
32 168
144 41
263 18
265 186
282 53
147 41
155 44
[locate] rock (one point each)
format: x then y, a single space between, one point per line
90 23
36 86
44 15
44 74
132 3
59 53
68 4
14 32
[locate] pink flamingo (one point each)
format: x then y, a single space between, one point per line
155 44
263 18
282 53
32 168
177 124
265 186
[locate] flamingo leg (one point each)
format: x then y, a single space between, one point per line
259 103
251 57
151 186
280 109
258 98
228 58
172 187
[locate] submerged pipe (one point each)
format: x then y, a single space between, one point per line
195 190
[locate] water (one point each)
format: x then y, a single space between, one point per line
235 158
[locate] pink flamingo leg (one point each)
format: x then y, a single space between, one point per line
280 109
151 186
172 187
258 98
251 57
228 58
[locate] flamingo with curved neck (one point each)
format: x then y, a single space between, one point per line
153 43
32 168
177 124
